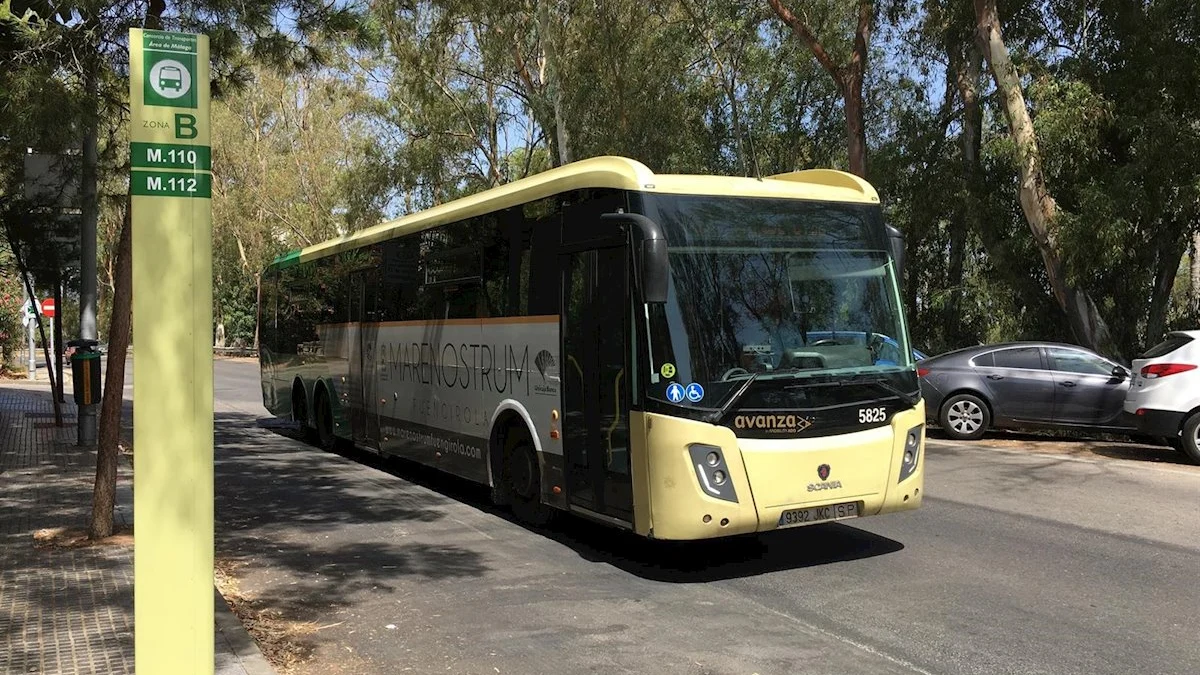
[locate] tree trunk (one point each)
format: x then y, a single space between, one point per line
856 135
108 449
1196 276
967 72
108 446
848 77
1038 205
554 88
1170 254
41 326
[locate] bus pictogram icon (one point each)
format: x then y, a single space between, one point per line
170 79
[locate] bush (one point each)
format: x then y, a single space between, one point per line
12 331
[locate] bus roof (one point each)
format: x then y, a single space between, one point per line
600 172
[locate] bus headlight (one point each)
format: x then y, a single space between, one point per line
912 451
712 472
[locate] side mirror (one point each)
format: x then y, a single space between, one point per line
896 249
651 267
1119 372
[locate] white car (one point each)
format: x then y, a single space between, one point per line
1164 397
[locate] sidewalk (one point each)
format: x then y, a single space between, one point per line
70 610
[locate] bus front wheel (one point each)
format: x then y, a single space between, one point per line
523 477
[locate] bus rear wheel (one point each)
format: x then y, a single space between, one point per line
300 412
323 411
523 478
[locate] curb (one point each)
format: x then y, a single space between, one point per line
243 654
235 653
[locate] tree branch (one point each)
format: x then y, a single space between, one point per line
806 35
862 35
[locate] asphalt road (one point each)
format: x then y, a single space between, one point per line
1017 563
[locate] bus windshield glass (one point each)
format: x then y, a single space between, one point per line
777 290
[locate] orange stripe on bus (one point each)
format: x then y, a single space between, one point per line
503 320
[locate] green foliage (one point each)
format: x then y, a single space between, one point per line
344 113
288 172
12 296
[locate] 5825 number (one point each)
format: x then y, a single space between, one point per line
871 415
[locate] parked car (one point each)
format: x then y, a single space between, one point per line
1023 385
1164 398
887 348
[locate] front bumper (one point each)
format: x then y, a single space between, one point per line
768 476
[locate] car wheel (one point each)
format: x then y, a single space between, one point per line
964 417
1191 437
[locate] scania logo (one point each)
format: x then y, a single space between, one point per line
823 473
773 423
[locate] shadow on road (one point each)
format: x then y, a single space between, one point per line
287 514
714 560
673 562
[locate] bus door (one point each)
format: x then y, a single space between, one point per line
595 374
364 420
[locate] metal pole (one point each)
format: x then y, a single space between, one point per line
87 421
58 337
32 365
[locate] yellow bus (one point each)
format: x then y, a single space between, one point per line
682 356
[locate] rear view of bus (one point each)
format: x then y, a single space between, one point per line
777 378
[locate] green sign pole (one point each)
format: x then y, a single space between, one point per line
171 184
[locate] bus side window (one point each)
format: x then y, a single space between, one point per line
455 301
399 280
544 282
496 244
268 313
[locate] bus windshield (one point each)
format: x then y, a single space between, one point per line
774 290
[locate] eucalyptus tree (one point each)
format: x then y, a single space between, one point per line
86 44
838 33
287 158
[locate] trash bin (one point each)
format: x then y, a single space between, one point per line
85 372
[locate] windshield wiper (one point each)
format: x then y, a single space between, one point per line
908 399
717 414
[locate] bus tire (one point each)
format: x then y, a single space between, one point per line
300 411
522 477
323 412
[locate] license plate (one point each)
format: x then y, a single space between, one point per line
816 514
